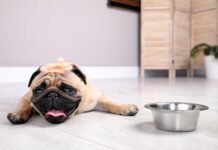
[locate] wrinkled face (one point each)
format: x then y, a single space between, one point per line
56 95
55 103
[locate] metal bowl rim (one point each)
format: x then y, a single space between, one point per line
148 106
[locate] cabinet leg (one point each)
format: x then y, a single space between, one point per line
172 73
189 73
142 73
190 70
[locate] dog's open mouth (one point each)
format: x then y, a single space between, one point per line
56 106
55 116
55 113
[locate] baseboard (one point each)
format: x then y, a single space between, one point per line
22 74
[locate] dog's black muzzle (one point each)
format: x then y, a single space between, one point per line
55 105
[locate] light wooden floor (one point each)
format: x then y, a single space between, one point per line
96 130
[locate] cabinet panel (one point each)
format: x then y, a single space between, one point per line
155 4
184 5
155 38
181 40
199 5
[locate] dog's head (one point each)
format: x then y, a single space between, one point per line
57 90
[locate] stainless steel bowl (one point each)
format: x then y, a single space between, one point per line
176 116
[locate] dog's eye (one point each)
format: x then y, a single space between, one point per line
69 91
38 91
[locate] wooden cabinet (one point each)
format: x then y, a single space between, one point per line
170 28
165 35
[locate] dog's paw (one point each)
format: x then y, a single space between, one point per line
17 118
129 110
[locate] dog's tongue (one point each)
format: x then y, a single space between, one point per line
55 113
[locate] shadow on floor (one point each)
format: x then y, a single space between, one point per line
149 128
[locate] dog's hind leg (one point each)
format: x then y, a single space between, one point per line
23 112
106 105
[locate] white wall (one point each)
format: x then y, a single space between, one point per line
87 32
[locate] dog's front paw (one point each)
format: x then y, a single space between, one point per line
17 118
129 110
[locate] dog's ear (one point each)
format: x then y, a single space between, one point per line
77 71
33 76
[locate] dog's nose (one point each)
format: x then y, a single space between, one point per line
53 95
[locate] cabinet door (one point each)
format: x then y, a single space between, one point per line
155 39
182 37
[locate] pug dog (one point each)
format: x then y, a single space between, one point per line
61 89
